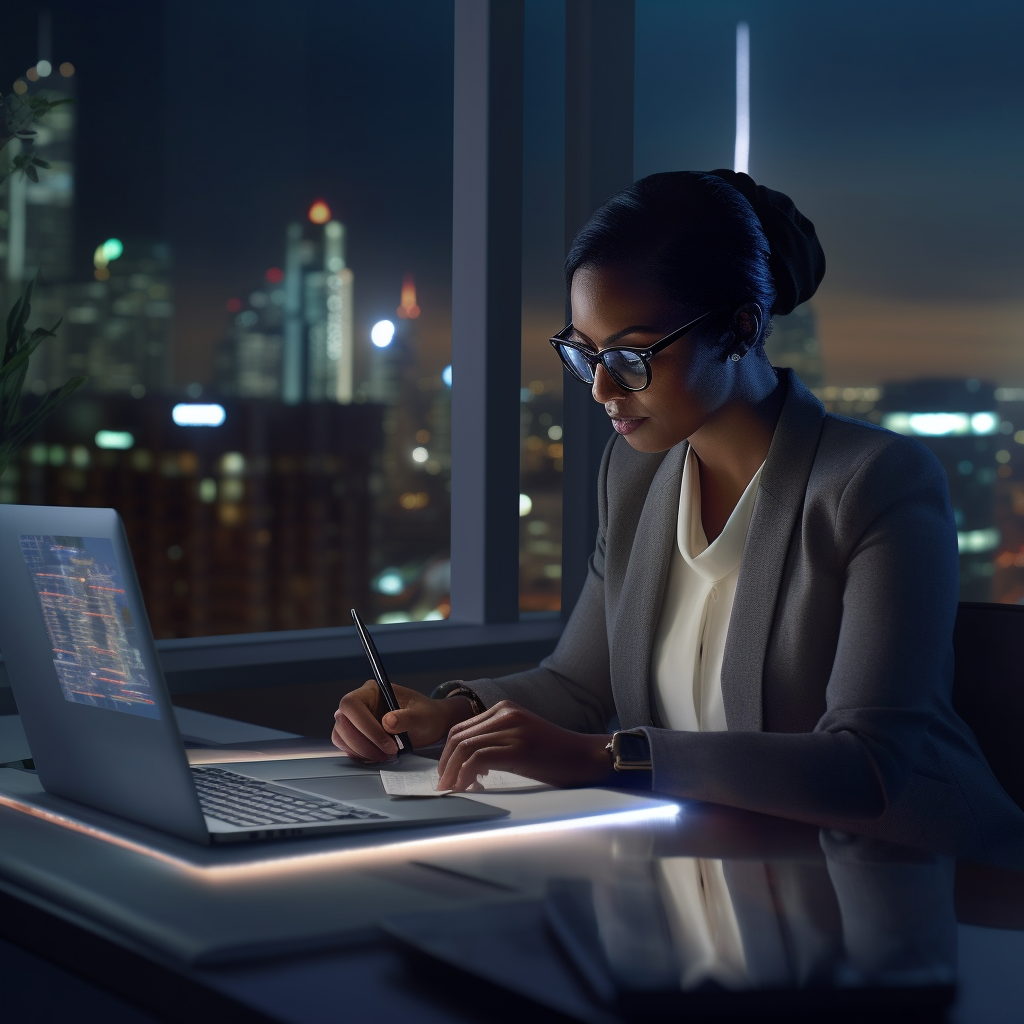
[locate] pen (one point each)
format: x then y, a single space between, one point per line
404 746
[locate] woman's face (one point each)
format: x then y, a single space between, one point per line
689 380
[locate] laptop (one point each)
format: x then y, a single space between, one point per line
97 712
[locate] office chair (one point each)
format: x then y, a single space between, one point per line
988 686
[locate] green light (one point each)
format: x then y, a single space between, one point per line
118 440
112 248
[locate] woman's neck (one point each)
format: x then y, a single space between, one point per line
730 448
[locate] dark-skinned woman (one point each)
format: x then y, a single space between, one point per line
769 609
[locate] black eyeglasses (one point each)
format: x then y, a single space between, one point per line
629 367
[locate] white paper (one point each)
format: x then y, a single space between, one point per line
424 783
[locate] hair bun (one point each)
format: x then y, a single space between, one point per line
796 261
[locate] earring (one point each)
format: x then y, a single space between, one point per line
735 357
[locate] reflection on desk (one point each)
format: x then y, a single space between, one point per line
599 905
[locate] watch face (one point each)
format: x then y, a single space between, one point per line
632 748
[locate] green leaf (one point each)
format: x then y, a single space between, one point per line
17 319
22 429
33 174
38 162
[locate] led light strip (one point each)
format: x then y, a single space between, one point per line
403 850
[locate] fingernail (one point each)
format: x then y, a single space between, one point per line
388 720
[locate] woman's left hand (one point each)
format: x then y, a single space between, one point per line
511 739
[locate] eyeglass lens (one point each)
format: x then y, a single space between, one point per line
627 368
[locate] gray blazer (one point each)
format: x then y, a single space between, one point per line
838 666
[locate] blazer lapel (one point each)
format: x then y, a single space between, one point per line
777 508
640 600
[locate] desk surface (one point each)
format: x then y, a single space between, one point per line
371 926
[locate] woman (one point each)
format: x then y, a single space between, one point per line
770 604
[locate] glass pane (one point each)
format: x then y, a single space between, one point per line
246 228
893 127
540 508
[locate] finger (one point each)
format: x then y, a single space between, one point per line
465 749
478 725
354 737
488 758
360 708
404 720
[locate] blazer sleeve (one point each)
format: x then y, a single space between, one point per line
572 686
895 548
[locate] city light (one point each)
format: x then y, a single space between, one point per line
382 333
43 68
984 423
420 455
941 424
275 275
113 248
407 309
525 505
115 440
197 414
446 375
975 541
67 69
390 582
319 212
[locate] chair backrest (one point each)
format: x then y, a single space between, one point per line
988 686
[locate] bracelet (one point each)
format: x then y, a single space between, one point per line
457 688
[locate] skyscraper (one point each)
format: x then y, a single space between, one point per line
958 421
318 345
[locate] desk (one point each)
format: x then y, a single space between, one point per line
364 973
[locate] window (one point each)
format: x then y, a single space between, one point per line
246 228
893 127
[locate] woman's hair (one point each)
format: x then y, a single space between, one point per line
709 239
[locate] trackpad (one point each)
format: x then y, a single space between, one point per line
346 787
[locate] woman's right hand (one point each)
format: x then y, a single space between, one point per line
364 728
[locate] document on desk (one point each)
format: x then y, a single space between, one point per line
424 783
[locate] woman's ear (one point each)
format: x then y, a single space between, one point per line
745 329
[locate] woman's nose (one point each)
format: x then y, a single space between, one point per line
604 389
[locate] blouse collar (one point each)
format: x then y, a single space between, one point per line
722 557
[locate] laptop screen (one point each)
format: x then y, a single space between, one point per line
82 599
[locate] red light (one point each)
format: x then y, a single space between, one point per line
234 305
275 275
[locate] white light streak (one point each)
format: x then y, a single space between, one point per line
941 424
741 157
194 414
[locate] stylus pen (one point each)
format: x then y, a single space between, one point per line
404 746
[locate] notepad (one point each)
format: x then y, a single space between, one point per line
424 783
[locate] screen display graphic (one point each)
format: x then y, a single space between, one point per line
95 644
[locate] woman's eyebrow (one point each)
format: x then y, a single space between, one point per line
637 329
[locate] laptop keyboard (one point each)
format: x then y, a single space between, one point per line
247 802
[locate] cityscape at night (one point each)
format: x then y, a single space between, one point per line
310 302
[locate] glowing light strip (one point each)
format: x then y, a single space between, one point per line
741 158
402 850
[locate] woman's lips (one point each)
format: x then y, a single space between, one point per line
627 424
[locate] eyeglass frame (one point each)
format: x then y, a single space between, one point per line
646 353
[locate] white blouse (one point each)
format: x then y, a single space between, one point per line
690 642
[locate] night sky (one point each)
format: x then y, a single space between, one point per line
898 127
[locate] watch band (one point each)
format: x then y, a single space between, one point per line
457 688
